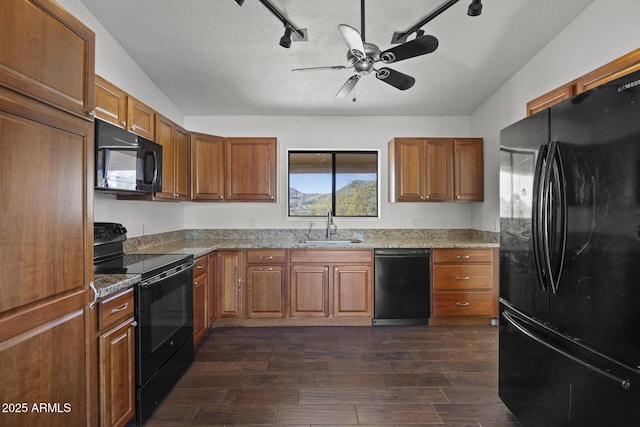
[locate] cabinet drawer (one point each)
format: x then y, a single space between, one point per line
462 276
201 266
267 256
463 304
324 256
462 255
115 309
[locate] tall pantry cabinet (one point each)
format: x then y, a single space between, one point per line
47 351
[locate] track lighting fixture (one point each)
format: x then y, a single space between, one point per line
285 40
475 8
239 2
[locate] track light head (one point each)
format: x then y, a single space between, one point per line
475 8
285 40
239 2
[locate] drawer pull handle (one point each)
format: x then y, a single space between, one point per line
462 278
266 257
117 310
266 269
463 256
200 267
462 304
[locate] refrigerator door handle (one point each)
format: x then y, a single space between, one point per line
538 215
554 203
624 383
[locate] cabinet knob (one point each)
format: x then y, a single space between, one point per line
426 197
124 124
92 114
133 127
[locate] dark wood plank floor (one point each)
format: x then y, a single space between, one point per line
303 376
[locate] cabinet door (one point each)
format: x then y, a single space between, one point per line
309 286
165 136
230 284
46 327
352 290
117 380
140 118
199 308
207 167
409 169
212 289
266 291
251 169
111 103
439 170
47 54
469 169
182 172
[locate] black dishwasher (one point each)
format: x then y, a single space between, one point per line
401 287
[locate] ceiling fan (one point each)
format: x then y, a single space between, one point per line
362 57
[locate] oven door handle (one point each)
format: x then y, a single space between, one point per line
174 271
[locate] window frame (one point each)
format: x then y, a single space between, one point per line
333 153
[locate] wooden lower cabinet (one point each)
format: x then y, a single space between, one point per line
331 283
309 289
116 359
266 285
230 283
200 285
464 284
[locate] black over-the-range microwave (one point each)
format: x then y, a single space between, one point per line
125 162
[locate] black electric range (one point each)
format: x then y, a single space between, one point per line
109 256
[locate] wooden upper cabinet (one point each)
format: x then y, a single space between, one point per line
114 105
409 165
140 118
251 169
436 169
550 98
47 54
111 102
207 167
175 159
617 68
469 169
439 169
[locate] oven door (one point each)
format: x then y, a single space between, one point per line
165 319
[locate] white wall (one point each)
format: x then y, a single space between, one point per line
597 36
333 132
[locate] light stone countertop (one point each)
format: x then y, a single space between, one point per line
201 243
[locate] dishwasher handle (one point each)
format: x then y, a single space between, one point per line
401 252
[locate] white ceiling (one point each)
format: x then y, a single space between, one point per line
211 57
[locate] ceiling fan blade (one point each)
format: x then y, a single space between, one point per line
348 86
353 39
395 78
416 47
331 67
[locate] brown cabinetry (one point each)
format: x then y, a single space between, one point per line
116 346
200 293
230 283
251 169
47 330
47 54
619 67
115 106
175 159
436 169
464 286
207 167
331 283
266 288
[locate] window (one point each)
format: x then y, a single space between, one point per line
344 181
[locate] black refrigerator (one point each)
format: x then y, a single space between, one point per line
569 340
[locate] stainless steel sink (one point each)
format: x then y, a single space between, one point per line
331 242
